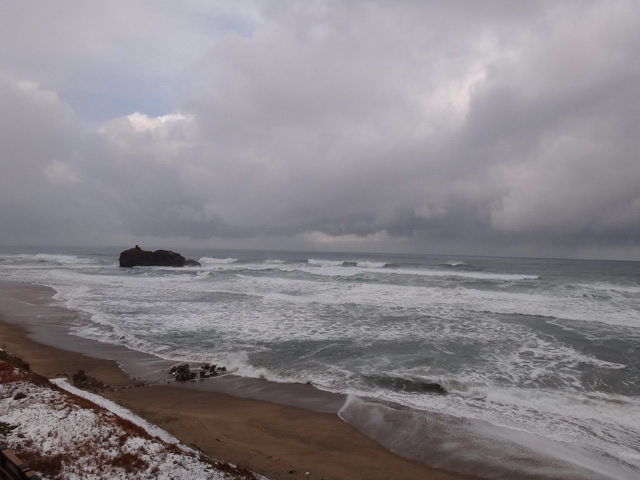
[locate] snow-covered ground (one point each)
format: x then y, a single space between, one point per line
62 435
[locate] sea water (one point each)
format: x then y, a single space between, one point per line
540 357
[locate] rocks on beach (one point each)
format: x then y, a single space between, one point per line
183 372
82 380
136 257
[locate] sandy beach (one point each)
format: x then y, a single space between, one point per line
278 441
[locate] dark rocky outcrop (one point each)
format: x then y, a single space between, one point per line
136 257
192 263
182 372
84 381
414 385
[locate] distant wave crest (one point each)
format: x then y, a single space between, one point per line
324 263
455 263
346 263
216 261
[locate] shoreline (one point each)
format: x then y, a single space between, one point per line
272 439
276 428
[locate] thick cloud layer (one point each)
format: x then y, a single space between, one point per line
456 127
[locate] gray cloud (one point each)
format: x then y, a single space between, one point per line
114 58
476 127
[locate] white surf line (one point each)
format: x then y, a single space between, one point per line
116 409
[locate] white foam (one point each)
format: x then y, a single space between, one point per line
38 259
344 269
609 423
238 363
325 263
62 259
206 261
555 303
610 287
455 263
476 447
369 264
463 274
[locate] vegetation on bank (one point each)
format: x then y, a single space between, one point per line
65 436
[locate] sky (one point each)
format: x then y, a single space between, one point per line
495 127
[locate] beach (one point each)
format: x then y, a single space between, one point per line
352 365
274 440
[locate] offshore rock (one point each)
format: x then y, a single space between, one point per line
136 257
192 263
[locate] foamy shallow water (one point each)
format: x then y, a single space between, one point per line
539 347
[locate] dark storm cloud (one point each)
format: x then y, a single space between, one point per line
488 127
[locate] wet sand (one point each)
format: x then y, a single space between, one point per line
272 439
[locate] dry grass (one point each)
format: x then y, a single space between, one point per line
130 429
9 372
130 462
5 428
48 465
9 375
235 472
14 369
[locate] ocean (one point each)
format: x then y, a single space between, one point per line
540 357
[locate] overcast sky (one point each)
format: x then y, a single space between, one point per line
459 127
